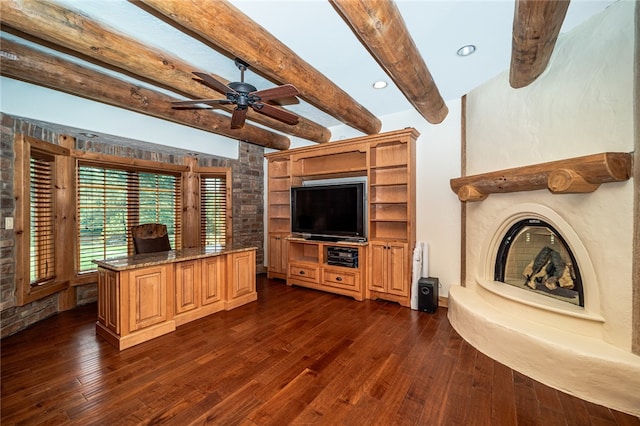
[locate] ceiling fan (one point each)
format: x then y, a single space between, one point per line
245 95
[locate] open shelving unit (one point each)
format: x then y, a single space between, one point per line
384 271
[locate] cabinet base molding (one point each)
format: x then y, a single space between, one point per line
402 300
240 300
277 275
357 296
124 342
201 312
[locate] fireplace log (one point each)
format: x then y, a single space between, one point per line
573 175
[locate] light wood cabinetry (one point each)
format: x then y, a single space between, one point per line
277 267
213 279
242 282
392 217
145 296
388 162
148 288
310 266
108 304
187 286
389 277
278 224
198 288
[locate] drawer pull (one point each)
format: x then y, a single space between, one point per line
301 272
338 279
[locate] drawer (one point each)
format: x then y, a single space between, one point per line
341 279
304 272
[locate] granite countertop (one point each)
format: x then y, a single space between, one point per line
151 259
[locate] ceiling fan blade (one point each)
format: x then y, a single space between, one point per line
277 113
238 117
200 101
213 83
284 91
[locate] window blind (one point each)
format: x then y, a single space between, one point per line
213 210
41 227
111 200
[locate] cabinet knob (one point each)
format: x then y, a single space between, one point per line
301 272
338 278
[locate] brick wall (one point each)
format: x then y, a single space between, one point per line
248 204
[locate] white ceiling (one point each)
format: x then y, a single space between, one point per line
314 30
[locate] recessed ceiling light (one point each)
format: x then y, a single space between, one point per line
380 84
89 135
466 50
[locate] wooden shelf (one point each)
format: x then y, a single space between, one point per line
574 175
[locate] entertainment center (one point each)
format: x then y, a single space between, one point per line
341 216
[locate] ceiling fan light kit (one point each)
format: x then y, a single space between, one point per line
245 95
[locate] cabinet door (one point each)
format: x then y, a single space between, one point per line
213 277
243 274
275 253
109 300
397 275
378 276
187 283
148 296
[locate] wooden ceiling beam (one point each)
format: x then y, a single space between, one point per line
90 40
536 25
221 24
36 67
381 29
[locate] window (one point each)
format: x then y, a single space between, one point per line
41 218
213 210
39 185
112 200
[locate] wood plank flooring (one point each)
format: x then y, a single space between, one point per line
295 356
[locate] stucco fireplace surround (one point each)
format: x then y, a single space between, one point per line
572 348
575 349
582 104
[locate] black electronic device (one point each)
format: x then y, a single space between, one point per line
428 294
329 212
342 256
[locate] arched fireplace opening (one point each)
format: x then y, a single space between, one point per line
535 257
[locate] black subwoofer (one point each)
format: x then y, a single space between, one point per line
428 294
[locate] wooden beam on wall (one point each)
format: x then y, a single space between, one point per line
381 29
32 66
67 29
536 25
570 176
219 23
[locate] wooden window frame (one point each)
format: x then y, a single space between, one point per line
24 148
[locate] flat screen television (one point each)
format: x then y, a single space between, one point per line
329 212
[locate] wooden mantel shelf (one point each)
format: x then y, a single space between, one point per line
573 175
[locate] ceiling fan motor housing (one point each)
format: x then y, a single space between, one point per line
241 96
242 87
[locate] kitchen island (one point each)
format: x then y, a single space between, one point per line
147 295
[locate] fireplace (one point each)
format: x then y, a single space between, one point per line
534 256
529 154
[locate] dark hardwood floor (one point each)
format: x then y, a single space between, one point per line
295 356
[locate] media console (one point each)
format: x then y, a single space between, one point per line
337 267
